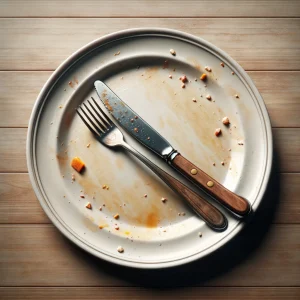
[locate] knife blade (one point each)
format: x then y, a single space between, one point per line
150 138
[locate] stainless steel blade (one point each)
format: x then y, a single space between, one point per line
132 122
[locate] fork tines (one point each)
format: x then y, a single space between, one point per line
94 117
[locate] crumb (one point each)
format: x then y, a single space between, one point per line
172 51
232 73
131 120
104 186
89 205
100 208
117 227
116 216
60 106
183 86
208 69
148 138
222 64
179 214
82 196
195 79
117 53
183 213
203 77
208 97
200 234
120 249
214 164
225 121
170 76
237 96
183 78
194 100
136 130
135 117
163 200
88 145
229 149
240 143
218 131
145 196
222 163
73 177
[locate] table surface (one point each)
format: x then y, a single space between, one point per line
36 261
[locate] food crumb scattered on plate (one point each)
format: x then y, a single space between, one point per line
164 200
225 121
203 77
208 97
120 249
116 216
218 131
173 52
208 69
89 205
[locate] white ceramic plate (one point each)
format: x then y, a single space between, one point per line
132 63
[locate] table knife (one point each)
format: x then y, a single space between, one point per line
149 137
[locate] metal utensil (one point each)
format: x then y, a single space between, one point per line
149 137
109 135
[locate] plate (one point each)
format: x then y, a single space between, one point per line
138 66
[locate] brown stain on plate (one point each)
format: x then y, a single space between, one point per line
152 220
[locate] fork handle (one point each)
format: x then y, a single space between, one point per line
234 202
210 214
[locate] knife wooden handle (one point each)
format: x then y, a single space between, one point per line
211 215
235 203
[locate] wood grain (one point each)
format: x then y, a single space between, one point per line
280 90
18 201
13 144
38 255
257 44
234 202
13 150
129 293
154 8
19 204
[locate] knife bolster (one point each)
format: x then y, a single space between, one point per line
171 156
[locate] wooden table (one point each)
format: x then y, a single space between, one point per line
37 262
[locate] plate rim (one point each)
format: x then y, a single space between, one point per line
64 66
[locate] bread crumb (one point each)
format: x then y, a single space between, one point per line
89 205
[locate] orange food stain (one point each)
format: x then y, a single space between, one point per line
152 220
106 102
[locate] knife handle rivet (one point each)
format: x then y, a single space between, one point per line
194 171
210 184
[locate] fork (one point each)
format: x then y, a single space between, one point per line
108 134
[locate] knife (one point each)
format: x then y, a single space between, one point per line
150 138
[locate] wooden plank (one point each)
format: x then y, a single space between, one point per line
18 92
257 44
280 90
19 204
287 149
143 8
13 149
128 293
13 154
38 255
18 201
281 93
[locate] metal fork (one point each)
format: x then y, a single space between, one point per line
108 134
